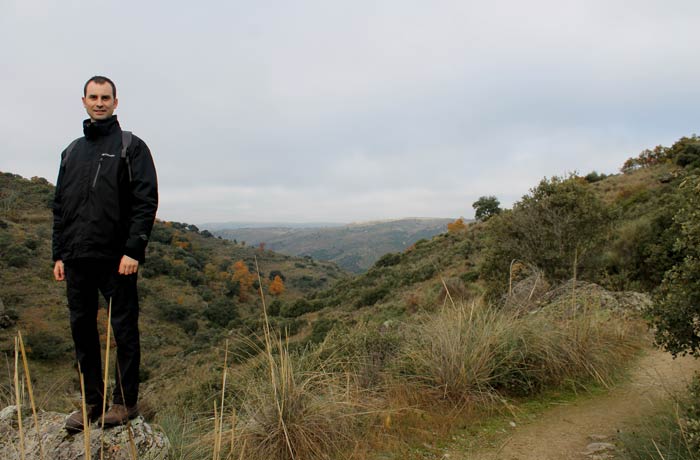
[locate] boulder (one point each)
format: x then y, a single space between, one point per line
117 443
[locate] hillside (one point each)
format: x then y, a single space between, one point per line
542 299
190 293
354 247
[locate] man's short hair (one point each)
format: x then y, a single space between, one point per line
100 80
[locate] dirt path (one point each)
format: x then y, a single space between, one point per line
565 432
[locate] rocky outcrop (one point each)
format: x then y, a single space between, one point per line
117 443
533 293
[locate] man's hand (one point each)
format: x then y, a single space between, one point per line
59 272
128 266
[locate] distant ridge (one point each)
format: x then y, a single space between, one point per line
212 226
353 246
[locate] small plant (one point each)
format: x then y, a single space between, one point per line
690 423
671 433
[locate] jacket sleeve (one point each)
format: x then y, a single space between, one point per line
57 215
144 200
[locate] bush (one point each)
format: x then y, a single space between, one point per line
274 273
675 312
299 307
155 265
372 296
593 176
17 256
422 273
221 312
387 260
668 434
559 224
45 346
162 234
275 307
320 329
686 152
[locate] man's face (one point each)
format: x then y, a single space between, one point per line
98 101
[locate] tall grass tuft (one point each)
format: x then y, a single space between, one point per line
297 414
475 350
290 412
458 353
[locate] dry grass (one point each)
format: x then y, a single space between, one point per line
473 351
287 406
459 352
297 414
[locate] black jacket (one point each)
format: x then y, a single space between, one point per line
98 212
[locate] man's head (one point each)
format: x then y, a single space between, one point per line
100 98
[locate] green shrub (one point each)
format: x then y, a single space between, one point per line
320 329
559 223
372 296
45 346
675 312
470 276
686 152
221 312
275 307
162 234
155 265
387 260
17 256
421 273
671 433
299 307
31 244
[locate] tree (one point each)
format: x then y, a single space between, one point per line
486 207
276 286
676 309
245 279
555 228
456 226
686 152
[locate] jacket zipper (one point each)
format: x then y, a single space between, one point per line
99 166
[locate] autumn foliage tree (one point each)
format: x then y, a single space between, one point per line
244 278
276 286
456 226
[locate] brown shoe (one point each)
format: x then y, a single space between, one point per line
119 414
74 422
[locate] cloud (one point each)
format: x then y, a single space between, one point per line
357 110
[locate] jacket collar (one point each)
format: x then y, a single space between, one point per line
100 128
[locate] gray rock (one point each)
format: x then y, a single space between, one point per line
598 448
58 444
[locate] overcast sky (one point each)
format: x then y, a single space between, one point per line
341 111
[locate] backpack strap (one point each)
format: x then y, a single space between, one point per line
126 142
69 149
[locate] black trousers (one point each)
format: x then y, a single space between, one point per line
85 279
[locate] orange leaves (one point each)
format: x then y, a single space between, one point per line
276 286
456 226
245 279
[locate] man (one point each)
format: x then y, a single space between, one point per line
104 210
